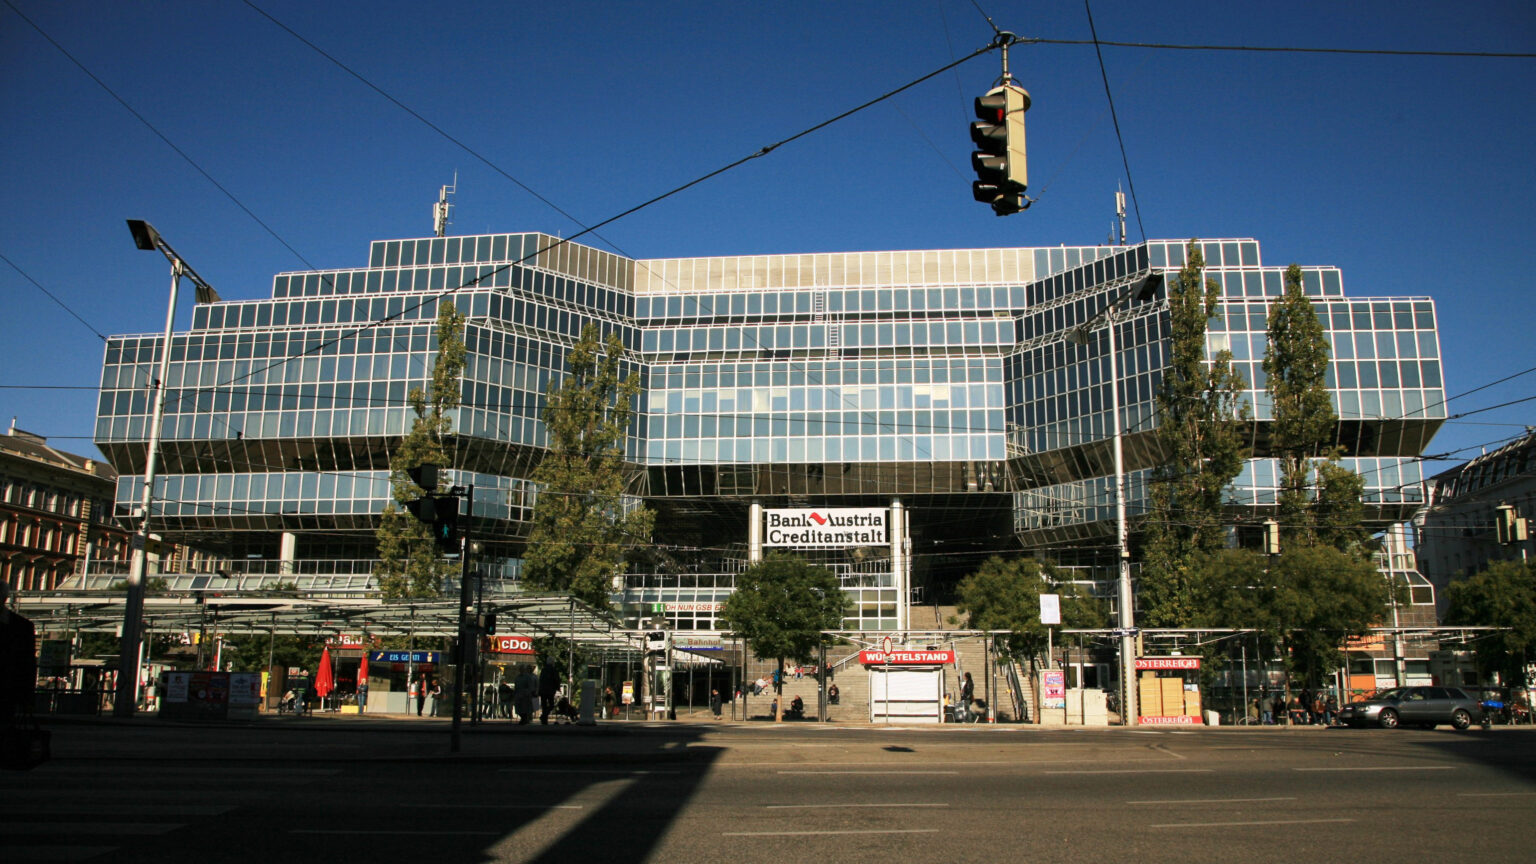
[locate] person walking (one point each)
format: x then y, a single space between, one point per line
525 689
549 685
714 702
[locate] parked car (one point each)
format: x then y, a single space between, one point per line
1425 707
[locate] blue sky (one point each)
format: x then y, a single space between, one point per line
1412 174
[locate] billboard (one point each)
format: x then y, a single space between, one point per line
825 528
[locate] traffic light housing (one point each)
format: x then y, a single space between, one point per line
1001 165
1511 528
441 513
1271 537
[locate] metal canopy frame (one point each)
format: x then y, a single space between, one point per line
261 613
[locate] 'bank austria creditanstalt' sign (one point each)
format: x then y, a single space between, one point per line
825 528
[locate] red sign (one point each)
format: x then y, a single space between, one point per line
347 640
1176 720
1167 662
906 658
511 645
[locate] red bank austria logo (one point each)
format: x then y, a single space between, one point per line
834 528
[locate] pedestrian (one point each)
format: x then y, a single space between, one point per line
610 704
437 696
504 700
524 691
549 685
967 693
832 694
714 702
18 660
419 691
362 696
1330 709
1319 709
1277 705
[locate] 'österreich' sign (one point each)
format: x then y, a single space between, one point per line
906 658
825 528
1167 662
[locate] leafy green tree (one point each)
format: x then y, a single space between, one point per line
779 608
582 530
1202 415
1304 423
409 564
1303 604
1004 594
1504 595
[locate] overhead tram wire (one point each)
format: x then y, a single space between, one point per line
1387 52
1124 159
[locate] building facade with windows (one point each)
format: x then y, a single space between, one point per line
56 513
938 386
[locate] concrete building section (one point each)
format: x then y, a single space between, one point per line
935 386
1455 532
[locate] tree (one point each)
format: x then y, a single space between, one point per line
1304 423
409 563
1303 604
779 608
1201 419
1004 594
582 528
1504 595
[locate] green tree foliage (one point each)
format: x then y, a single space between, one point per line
1202 416
409 563
1303 604
1304 424
1004 594
780 606
582 531
1504 595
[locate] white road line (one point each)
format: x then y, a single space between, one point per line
90 828
56 853
1210 800
392 834
610 771
829 833
497 806
1385 768
868 772
1139 771
1248 824
841 806
1492 794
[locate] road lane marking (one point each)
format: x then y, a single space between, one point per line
1248 824
1139 771
1385 768
56 853
869 772
624 771
382 832
498 806
1210 800
829 833
1492 794
841 806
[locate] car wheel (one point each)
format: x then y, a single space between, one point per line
1388 718
1461 719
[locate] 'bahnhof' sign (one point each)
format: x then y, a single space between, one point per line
825 528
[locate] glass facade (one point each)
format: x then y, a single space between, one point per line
943 378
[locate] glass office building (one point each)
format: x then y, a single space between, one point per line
938 385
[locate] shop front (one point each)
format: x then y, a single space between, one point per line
1170 690
906 686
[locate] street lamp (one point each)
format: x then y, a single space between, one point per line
1129 707
126 701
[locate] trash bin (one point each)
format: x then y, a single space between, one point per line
1213 718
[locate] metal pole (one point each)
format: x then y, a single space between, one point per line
126 701
461 651
1129 698
821 676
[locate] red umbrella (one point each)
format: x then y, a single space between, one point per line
325 682
362 670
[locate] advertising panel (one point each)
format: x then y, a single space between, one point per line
1167 663
825 528
510 645
1053 689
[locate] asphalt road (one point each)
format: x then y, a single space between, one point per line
391 791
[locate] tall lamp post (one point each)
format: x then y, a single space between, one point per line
1129 701
126 701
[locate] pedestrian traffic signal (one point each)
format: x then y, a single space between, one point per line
441 512
1001 165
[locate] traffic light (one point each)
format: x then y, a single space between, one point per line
441 512
1271 537
1001 164
424 476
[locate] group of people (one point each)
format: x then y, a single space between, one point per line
1306 708
421 689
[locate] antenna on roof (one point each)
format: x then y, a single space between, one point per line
1120 211
441 208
